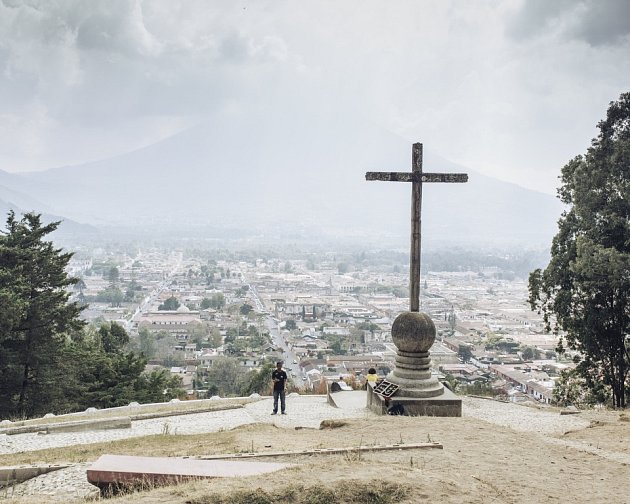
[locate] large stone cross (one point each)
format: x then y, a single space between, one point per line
417 178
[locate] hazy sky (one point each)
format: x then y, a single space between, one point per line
511 88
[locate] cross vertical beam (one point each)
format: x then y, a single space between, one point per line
417 178
416 224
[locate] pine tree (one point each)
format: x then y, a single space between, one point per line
35 312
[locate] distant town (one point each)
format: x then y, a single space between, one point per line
328 319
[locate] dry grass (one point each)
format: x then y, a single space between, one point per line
157 446
341 492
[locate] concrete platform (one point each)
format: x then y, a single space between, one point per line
348 399
445 405
123 471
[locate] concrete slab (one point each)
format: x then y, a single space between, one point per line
346 399
115 471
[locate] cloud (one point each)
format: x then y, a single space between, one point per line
596 22
117 61
475 81
605 22
117 28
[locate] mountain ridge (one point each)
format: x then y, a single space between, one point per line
285 176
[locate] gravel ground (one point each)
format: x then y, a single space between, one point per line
309 412
312 410
521 418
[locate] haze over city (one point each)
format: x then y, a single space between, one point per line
266 115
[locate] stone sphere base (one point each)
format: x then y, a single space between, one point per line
413 334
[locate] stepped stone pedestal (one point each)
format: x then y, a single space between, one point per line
419 393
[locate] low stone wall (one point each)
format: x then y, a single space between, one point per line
18 474
74 426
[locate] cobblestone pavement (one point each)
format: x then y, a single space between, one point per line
57 486
521 418
304 411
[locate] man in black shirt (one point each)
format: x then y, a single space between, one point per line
279 378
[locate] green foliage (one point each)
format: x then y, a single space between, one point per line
215 337
502 345
572 389
248 339
335 343
226 377
170 304
509 266
400 292
112 295
113 275
36 315
453 383
585 289
290 325
368 326
148 347
49 360
217 301
464 353
477 388
245 309
198 332
530 353
101 379
130 295
259 381
452 320
113 337
242 291
157 386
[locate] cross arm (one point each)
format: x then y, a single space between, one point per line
417 177
390 176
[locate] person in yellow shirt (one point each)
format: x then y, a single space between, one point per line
371 377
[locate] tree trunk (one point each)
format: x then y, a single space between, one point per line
24 386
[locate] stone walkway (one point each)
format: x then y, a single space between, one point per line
303 411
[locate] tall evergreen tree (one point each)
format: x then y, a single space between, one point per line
113 337
585 289
35 312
